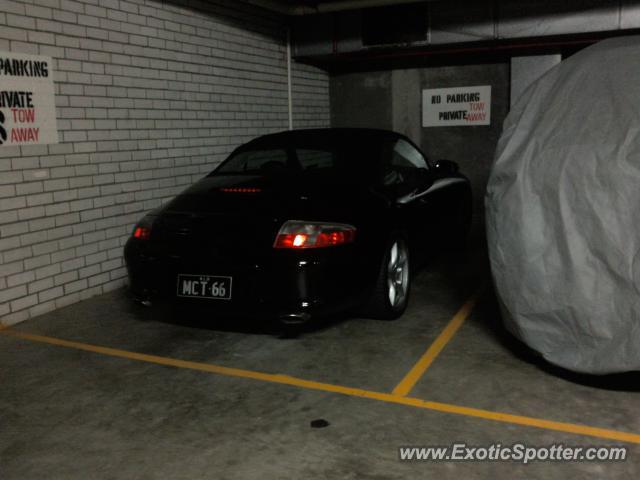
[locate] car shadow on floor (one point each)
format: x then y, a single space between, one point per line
200 318
490 318
452 275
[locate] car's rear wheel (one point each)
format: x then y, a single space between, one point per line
390 295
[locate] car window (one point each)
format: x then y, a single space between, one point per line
315 159
256 162
406 155
404 167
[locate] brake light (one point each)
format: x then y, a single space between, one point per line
142 230
299 234
142 233
240 190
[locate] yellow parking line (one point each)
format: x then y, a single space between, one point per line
327 387
410 379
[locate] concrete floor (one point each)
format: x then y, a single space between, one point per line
66 413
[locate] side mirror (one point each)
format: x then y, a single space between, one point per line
446 167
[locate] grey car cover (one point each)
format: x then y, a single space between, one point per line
563 212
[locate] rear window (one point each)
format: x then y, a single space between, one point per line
254 162
315 159
273 161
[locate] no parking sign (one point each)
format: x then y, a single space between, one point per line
27 105
460 106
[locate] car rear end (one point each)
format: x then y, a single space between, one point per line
245 251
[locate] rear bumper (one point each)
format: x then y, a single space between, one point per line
293 286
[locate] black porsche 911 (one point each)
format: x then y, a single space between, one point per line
301 224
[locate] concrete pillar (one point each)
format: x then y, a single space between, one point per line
406 103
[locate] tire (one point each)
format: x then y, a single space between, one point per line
390 295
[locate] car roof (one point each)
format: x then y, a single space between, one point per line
324 136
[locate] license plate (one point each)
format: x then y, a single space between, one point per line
204 286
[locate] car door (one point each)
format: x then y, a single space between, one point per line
407 176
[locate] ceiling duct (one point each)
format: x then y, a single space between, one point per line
304 8
461 24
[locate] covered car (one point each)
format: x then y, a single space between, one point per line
562 212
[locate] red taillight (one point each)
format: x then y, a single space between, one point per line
240 190
329 239
142 230
298 234
143 233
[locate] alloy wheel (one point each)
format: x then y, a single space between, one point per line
398 273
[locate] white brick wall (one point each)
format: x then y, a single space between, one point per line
150 95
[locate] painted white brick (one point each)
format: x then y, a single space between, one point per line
73 264
29 187
16 254
43 25
13 229
39 199
48 271
47 3
8 216
95 258
33 238
38 11
114 284
9 294
101 279
20 278
90 292
67 300
21 21
95 11
41 37
149 97
9 243
10 177
59 184
67 219
65 196
7 191
15 317
24 302
35 262
39 285
41 224
64 278
11 6
42 308
50 294
57 209
89 271
12 203
73 6
11 33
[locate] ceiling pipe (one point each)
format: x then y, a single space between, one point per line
367 56
340 6
272 5
328 7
